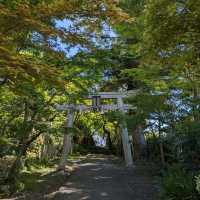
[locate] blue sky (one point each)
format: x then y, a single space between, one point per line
72 50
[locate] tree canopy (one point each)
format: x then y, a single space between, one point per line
57 51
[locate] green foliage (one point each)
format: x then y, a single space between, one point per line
198 183
187 141
35 44
32 174
165 38
178 184
155 49
170 38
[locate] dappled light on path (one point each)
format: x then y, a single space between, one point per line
98 177
103 177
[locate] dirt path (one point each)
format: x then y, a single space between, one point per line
102 178
98 177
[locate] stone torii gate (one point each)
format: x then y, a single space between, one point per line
96 105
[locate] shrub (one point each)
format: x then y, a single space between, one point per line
198 183
178 184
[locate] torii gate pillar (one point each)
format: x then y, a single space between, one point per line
67 139
125 138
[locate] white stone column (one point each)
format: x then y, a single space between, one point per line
67 139
125 137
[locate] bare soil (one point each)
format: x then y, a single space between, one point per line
99 177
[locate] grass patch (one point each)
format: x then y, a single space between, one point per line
36 177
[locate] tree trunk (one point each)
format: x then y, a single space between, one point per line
15 169
47 148
119 144
109 142
162 154
17 165
108 138
139 142
195 104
